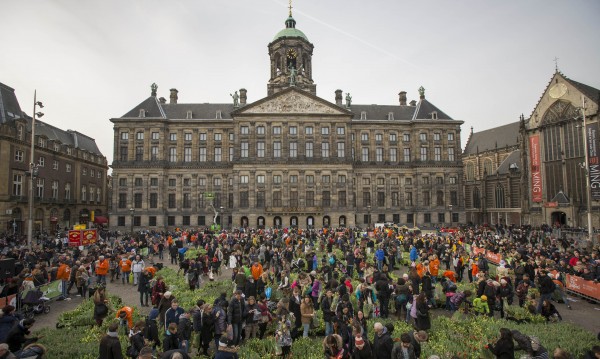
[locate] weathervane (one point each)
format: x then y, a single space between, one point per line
555 61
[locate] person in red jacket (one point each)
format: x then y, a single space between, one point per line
101 269
63 274
125 316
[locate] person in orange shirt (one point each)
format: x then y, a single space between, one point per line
125 316
420 267
257 270
101 269
125 265
450 275
63 274
151 270
434 268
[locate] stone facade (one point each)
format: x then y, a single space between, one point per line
289 159
71 178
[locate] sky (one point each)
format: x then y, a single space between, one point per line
482 62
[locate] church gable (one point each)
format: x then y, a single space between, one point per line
292 101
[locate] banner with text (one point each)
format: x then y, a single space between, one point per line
89 236
536 169
74 238
593 159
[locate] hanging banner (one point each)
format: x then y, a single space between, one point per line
536 169
592 138
74 238
90 236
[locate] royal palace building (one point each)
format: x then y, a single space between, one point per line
69 173
534 171
288 159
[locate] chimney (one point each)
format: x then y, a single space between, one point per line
413 103
162 100
338 97
243 97
402 95
173 97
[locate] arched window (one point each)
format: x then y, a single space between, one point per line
500 196
326 221
342 221
487 167
244 222
260 222
310 222
476 198
294 221
470 171
277 222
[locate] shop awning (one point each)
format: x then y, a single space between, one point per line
100 220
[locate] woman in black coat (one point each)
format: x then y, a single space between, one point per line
423 322
144 287
504 348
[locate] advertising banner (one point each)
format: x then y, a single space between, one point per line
493 257
51 290
592 139
585 287
74 238
90 236
536 169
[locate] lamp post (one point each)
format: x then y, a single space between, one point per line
221 209
451 221
131 212
368 216
33 168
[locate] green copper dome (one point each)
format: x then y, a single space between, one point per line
290 30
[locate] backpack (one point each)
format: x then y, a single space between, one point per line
490 290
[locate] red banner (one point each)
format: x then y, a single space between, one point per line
90 236
585 287
493 257
593 145
74 238
536 169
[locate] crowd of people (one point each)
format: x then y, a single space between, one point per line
346 275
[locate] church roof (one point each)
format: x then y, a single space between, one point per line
590 92
151 107
290 30
497 137
425 109
512 161
9 105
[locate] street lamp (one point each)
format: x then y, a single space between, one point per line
368 216
221 209
32 166
131 212
451 221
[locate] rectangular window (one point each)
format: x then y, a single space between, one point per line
326 199
310 198
380 181
19 155
364 137
277 199
55 165
324 131
17 185
154 153
423 153
293 178
155 135
170 220
277 179
217 137
406 154
231 154
366 198
260 179
308 151
202 181
308 130
426 198
260 130
121 221
40 189
172 202
218 155
217 181
437 153
454 198
260 199
244 179
293 149
203 136
450 136
137 200
451 154
153 200
341 153
325 149
341 179
42 161
395 199
54 189
393 154
276 149
172 154
379 154
187 154
152 221
67 191
172 182
364 154
406 137
393 137
244 149
310 179
187 200
326 178
187 136
341 130
452 180
244 130
173 136
139 135
260 149
244 199
122 182
84 171
366 181
408 199
138 182
425 180
439 180
381 199
124 136
293 130
427 217
378 137
422 136
437 136
342 198
202 154
294 198
277 130
122 200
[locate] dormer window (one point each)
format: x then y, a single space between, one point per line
142 112
434 115
363 115
42 142
189 115
56 147
20 132
391 116
218 115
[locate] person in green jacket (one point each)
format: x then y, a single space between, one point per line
480 305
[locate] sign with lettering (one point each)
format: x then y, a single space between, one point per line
592 139
89 236
536 169
74 238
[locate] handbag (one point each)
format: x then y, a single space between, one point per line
131 277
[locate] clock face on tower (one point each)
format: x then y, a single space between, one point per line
291 54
